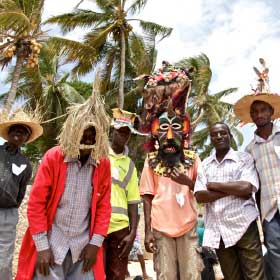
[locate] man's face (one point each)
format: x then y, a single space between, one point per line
88 140
220 137
18 135
121 136
261 113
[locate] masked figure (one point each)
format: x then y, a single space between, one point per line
168 176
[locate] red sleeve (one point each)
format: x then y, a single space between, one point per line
37 203
103 207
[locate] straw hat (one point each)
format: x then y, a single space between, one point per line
30 120
260 93
242 106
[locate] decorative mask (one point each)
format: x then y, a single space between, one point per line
165 98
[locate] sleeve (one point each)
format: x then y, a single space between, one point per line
97 240
37 204
133 195
103 207
147 183
41 241
201 179
23 183
197 163
249 172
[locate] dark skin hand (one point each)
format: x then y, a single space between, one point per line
181 178
150 242
44 261
127 242
88 256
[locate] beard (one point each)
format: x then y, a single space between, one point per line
169 160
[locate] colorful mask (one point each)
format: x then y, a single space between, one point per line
167 120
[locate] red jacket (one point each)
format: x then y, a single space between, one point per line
45 195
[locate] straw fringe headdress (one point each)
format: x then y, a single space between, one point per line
81 117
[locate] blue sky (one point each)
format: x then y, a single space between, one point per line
233 34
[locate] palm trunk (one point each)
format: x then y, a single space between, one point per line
13 90
122 72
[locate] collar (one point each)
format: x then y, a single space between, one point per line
5 146
258 139
231 155
90 160
123 154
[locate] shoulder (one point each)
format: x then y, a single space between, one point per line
104 165
54 154
207 160
250 146
244 157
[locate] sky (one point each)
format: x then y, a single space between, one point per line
233 34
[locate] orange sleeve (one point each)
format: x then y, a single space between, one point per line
197 162
147 182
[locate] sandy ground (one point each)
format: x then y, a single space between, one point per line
134 267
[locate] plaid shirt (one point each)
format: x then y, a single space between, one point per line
70 229
267 157
228 217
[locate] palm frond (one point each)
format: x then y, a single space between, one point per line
137 6
78 18
155 29
225 92
15 21
74 50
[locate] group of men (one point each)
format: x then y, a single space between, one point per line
82 209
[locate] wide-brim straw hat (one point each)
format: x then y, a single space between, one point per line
242 106
36 129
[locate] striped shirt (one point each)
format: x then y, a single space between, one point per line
267 157
228 217
70 229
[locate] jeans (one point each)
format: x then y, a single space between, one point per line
66 271
272 242
8 223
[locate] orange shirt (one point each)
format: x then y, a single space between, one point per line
167 216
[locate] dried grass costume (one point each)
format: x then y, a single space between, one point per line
51 186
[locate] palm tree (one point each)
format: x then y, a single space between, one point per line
20 29
49 87
208 108
109 36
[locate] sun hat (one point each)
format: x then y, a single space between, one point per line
261 93
30 120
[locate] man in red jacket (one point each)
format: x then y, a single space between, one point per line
69 206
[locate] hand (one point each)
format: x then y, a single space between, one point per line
180 177
150 242
88 255
44 261
126 245
213 186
